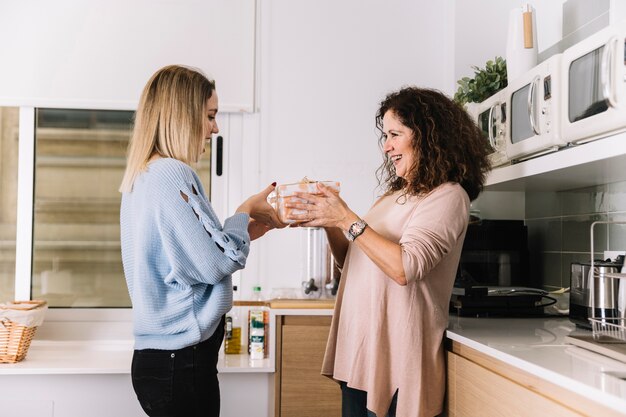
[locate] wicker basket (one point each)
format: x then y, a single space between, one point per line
15 338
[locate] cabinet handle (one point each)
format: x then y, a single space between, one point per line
607 69
219 155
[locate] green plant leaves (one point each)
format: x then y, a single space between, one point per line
485 83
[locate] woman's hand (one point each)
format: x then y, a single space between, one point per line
260 210
325 210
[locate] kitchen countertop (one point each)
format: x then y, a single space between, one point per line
113 356
304 304
46 357
536 346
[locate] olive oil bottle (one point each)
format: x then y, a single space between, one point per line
232 331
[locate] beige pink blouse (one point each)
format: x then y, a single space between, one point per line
386 337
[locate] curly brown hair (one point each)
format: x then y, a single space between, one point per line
447 145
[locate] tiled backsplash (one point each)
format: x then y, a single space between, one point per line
559 229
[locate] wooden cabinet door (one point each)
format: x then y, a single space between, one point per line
304 392
476 391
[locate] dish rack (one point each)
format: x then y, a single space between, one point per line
604 329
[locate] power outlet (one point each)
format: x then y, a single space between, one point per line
612 254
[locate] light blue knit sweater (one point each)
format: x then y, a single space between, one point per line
177 257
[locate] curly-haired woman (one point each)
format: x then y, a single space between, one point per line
399 260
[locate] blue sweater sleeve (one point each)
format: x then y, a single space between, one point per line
198 248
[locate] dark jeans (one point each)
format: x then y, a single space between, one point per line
183 382
354 402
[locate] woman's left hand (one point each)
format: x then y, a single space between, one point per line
325 210
260 210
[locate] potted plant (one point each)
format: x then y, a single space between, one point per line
486 82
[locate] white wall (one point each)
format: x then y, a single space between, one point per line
324 68
481 28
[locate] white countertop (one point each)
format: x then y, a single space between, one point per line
104 357
113 356
536 345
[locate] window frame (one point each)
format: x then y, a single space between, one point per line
25 204
25 216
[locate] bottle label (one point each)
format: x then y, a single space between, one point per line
228 328
256 348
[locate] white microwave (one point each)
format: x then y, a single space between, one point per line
491 117
594 88
535 111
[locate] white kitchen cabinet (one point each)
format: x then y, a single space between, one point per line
75 369
99 54
599 162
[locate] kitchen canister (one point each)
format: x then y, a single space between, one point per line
521 45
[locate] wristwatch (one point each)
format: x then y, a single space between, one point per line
356 229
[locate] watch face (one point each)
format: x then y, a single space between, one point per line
357 228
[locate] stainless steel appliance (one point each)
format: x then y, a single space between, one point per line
535 109
321 277
609 324
600 301
594 79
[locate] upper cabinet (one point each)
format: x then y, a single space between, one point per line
99 54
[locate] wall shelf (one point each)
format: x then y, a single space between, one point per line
602 161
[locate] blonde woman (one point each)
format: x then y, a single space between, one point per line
178 258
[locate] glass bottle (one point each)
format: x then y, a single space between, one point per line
257 335
260 314
232 331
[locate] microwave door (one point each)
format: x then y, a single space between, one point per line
595 86
586 90
484 123
488 125
521 127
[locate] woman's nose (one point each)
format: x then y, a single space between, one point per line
387 146
216 128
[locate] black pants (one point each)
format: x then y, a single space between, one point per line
354 403
183 382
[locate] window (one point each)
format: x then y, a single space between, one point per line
77 164
9 135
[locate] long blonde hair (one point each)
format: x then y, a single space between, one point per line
169 119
